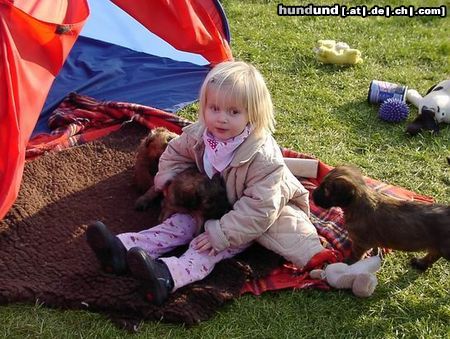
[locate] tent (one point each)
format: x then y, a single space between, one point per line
154 53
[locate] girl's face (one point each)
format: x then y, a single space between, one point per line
224 117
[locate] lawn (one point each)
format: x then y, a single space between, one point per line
322 110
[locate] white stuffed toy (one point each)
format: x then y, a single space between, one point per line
434 108
332 52
359 277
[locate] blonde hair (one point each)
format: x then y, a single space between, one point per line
245 84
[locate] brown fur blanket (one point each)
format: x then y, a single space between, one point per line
44 255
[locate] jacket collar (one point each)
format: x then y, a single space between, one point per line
244 152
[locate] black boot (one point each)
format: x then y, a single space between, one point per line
108 249
154 275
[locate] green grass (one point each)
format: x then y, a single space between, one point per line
322 110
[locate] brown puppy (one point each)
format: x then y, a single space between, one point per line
147 158
148 154
376 220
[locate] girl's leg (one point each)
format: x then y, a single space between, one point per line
175 231
108 249
194 266
292 236
161 276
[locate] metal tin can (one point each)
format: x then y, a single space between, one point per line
380 91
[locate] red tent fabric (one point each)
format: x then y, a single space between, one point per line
35 39
186 24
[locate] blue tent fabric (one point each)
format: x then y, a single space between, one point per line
102 70
116 58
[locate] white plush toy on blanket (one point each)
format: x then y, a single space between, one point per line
360 277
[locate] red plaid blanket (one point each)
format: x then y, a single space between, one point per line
330 226
80 119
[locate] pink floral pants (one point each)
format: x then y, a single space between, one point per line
175 231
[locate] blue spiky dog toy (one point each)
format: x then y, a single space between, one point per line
393 110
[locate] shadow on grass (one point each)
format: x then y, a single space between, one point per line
308 63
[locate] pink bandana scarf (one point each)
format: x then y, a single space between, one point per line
218 154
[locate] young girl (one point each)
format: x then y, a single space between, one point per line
270 206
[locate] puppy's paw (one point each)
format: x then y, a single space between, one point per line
419 264
350 260
142 203
354 258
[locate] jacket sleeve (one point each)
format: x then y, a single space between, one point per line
177 157
255 211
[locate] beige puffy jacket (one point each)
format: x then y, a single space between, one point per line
258 184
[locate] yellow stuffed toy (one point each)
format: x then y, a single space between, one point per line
330 52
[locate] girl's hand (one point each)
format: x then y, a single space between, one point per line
202 243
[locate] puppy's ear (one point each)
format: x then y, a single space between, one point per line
429 121
217 181
170 137
166 188
344 192
417 125
215 201
425 120
149 138
432 88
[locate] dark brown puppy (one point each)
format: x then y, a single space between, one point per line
148 154
375 220
194 193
